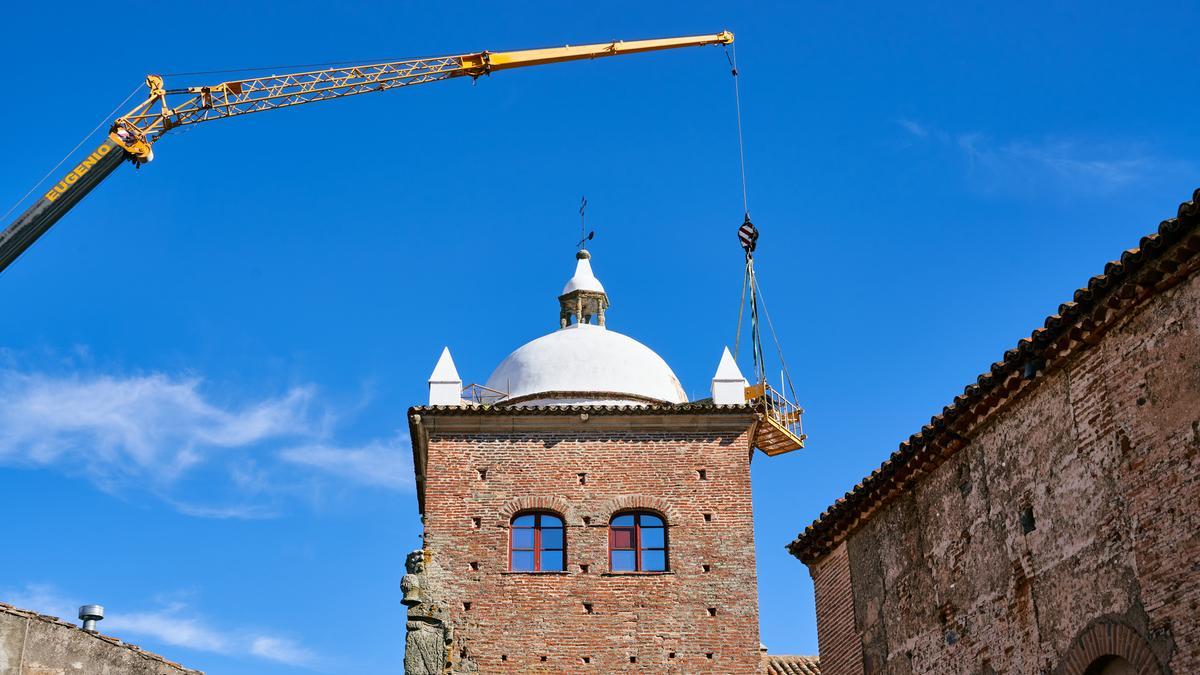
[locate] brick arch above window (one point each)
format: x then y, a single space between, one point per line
1106 638
658 505
555 505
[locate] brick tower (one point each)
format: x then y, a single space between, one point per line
580 514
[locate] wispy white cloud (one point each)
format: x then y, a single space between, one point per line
149 427
160 434
915 128
376 463
171 625
1078 165
172 622
246 511
283 650
42 598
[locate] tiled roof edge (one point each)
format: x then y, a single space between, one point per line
786 664
651 409
920 448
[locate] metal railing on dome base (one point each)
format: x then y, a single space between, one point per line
481 395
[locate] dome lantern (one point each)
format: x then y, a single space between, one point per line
584 363
583 297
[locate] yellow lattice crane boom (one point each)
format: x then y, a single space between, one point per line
133 135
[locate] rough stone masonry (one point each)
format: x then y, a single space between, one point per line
1049 520
36 644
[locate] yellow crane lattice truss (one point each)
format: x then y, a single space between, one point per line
135 132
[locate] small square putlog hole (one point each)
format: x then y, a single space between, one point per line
706 568
482 474
702 474
586 659
1028 524
712 611
476 523
584 568
708 517
474 566
587 607
582 478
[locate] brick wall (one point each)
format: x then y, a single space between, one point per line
529 622
1069 524
840 642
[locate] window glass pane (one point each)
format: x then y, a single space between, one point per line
552 537
654 561
551 521
622 537
647 519
522 537
626 519
523 521
552 561
624 561
653 537
522 561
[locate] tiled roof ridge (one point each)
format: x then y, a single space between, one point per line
1076 316
791 664
46 618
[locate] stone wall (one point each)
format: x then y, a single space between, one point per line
701 616
1067 527
34 644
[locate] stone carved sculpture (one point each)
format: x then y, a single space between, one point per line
428 637
414 565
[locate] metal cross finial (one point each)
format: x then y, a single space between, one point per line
584 235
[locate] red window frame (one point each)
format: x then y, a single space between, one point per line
636 540
537 549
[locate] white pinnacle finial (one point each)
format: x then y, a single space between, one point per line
445 386
728 384
584 279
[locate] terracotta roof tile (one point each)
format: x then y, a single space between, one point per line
779 664
650 408
1086 312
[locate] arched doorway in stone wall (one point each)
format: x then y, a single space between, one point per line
1111 665
1109 647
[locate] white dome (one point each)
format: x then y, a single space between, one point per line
586 364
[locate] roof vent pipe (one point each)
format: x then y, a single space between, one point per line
89 615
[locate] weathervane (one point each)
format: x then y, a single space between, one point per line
584 235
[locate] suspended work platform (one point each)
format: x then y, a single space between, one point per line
778 429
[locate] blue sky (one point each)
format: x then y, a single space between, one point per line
204 368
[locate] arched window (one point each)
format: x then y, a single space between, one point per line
536 543
637 542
